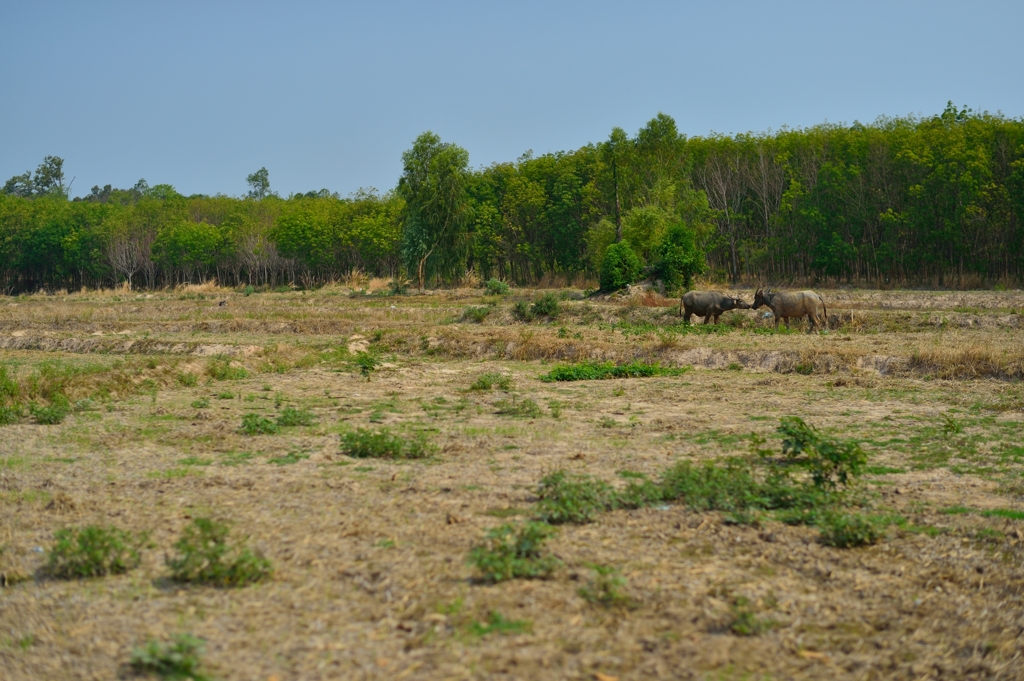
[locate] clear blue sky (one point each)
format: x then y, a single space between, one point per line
329 94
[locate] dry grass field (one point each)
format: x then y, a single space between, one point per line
209 403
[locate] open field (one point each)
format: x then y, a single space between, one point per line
370 575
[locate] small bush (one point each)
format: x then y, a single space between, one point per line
848 530
8 386
223 370
93 551
526 408
367 364
522 311
591 371
254 424
620 267
546 306
248 291
491 379
363 443
566 498
179 659
605 588
52 414
832 462
476 314
188 379
9 413
508 552
496 287
294 417
204 556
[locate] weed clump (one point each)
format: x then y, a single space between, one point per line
546 306
592 371
508 552
745 621
177 659
204 556
496 287
53 414
224 370
294 417
848 530
832 462
476 314
367 364
522 311
491 379
605 588
93 551
566 498
187 379
363 443
526 408
497 623
9 413
254 424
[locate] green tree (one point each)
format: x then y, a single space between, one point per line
620 267
259 184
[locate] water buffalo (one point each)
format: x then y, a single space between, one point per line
786 304
708 304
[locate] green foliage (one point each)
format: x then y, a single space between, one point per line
367 364
9 413
254 424
591 371
522 311
847 530
93 551
476 314
177 659
496 287
745 621
497 624
51 414
224 370
291 416
832 462
364 443
620 267
188 379
678 258
566 498
605 588
203 555
526 408
546 306
510 552
201 403
491 379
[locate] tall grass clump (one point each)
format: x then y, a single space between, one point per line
179 658
364 443
203 555
546 306
593 371
476 314
510 552
224 370
291 416
567 498
93 551
490 380
496 287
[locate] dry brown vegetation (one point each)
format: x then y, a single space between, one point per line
370 578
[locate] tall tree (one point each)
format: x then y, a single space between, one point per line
259 184
434 184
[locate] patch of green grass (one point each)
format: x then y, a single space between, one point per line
363 443
294 417
289 458
526 408
52 414
188 379
497 624
606 588
254 424
236 458
201 403
203 555
956 510
883 470
178 659
510 552
195 461
591 371
567 498
506 512
225 395
9 413
1007 513
224 370
848 530
93 551
476 314
745 621
491 379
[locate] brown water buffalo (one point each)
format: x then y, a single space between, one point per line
786 304
708 304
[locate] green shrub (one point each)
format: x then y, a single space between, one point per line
605 588
179 659
248 291
9 413
591 371
294 417
93 551
223 370
476 314
9 389
52 414
201 403
832 462
367 364
491 379
848 530
188 379
204 556
508 552
546 306
363 443
678 258
526 408
711 487
522 311
496 287
254 424
567 498
620 267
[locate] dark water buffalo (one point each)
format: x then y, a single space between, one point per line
708 304
786 304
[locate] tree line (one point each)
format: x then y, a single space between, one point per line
932 200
